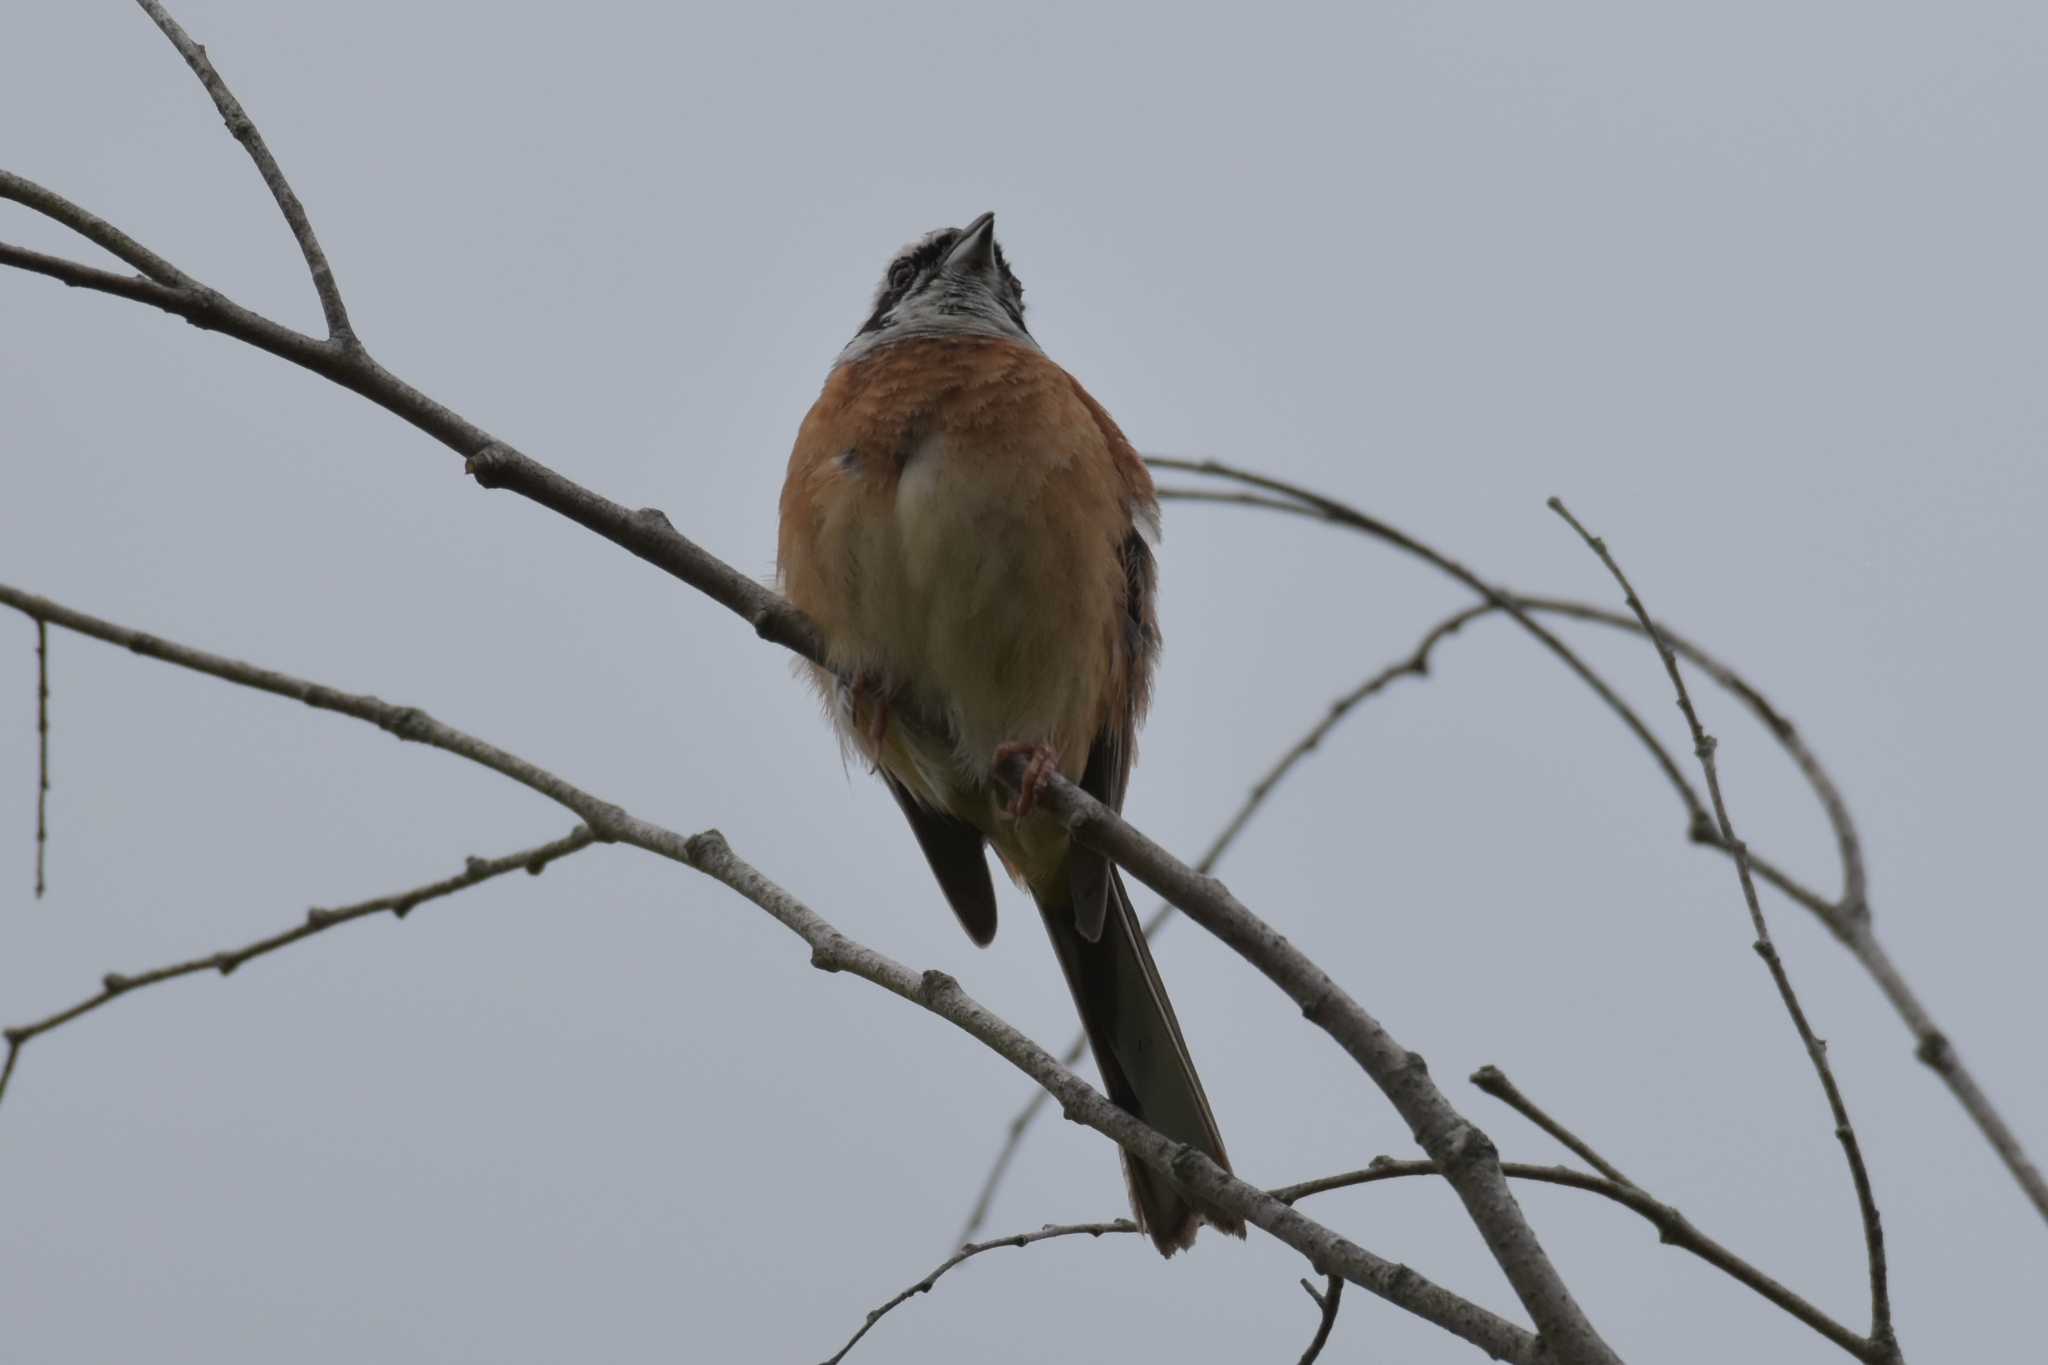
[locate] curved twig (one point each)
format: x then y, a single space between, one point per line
1673 1228
93 228
1881 1331
970 1251
1491 1080
399 904
1849 918
245 132
1329 509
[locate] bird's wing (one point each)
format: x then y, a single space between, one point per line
954 849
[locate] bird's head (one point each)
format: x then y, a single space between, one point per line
951 281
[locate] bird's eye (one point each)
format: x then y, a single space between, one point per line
901 274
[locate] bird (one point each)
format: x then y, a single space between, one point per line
973 537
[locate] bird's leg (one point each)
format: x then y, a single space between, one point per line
1041 761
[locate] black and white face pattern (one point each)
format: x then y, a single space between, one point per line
930 290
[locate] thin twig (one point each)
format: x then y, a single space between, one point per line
707 852
1467 1157
1853 902
968 1252
42 749
1493 1081
1304 501
1881 1331
399 904
244 129
1013 1138
1848 917
1326 1301
93 228
1673 1229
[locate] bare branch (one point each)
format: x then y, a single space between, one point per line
245 132
1881 1330
968 1252
1467 1157
935 992
1673 1228
1933 1048
1848 918
1854 900
406 722
1326 1301
1305 502
42 749
93 228
1193 1169
81 276
1493 1081
399 904
1415 665
1013 1138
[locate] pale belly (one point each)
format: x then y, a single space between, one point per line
978 603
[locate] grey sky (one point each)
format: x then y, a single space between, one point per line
1757 288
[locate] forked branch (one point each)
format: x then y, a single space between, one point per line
1881 1331
1847 916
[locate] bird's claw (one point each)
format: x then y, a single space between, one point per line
1041 761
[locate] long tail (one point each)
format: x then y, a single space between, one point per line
1143 1058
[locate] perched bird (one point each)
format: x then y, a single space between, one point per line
972 534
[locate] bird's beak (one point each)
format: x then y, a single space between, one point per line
975 252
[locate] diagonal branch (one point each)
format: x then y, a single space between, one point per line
832 951
93 228
1703 745
1306 502
399 904
941 994
244 129
969 1252
1464 1154
1415 665
1493 1081
1677 1230
1849 918
81 276
1673 1228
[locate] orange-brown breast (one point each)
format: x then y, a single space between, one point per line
953 519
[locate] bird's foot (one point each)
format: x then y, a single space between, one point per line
1041 761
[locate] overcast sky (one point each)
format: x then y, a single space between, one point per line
1757 288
